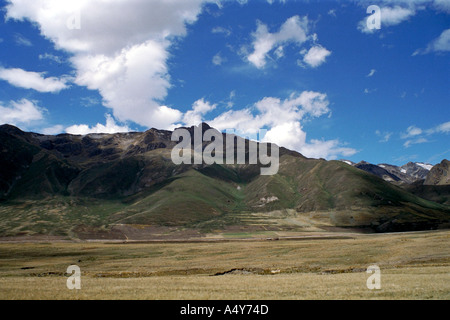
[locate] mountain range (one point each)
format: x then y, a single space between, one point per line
408 173
422 179
125 186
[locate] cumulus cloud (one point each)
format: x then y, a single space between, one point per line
294 30
411 132
110 127
291 135
267 45
32 80
440 44
394 12
131 83
390 16
271 112
316 56
281 118
56 129
199 109
129 69
20 112
327 149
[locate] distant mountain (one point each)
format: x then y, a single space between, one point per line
439 174
436 193
421 179
408 173
104 185
379 171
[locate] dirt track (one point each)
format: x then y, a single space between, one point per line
198 238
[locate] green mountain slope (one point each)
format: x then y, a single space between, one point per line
96 184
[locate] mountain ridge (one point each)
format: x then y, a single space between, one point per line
67 184
410 172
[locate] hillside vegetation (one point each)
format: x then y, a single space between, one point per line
94 185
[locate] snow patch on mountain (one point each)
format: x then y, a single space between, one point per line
426 166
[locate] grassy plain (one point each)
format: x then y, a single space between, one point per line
413 265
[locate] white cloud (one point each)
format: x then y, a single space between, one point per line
316 56
408 143
412 131
32 80
49 56
395 15
156 19
279 52
56 129
416 135
385 136
89 101
199 109
371 73
390 16
291 135
329 149
21 112
131 83
369 91
221 30
128 69
443 5
282 118
218 59
288 134
441 44
22 41
271 112
293 30
110 127
444 128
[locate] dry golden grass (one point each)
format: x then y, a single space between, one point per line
407 283
413 266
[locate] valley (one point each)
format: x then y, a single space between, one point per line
413 265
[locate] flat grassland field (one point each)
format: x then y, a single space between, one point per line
413 265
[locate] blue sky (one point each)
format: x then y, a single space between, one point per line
309 72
